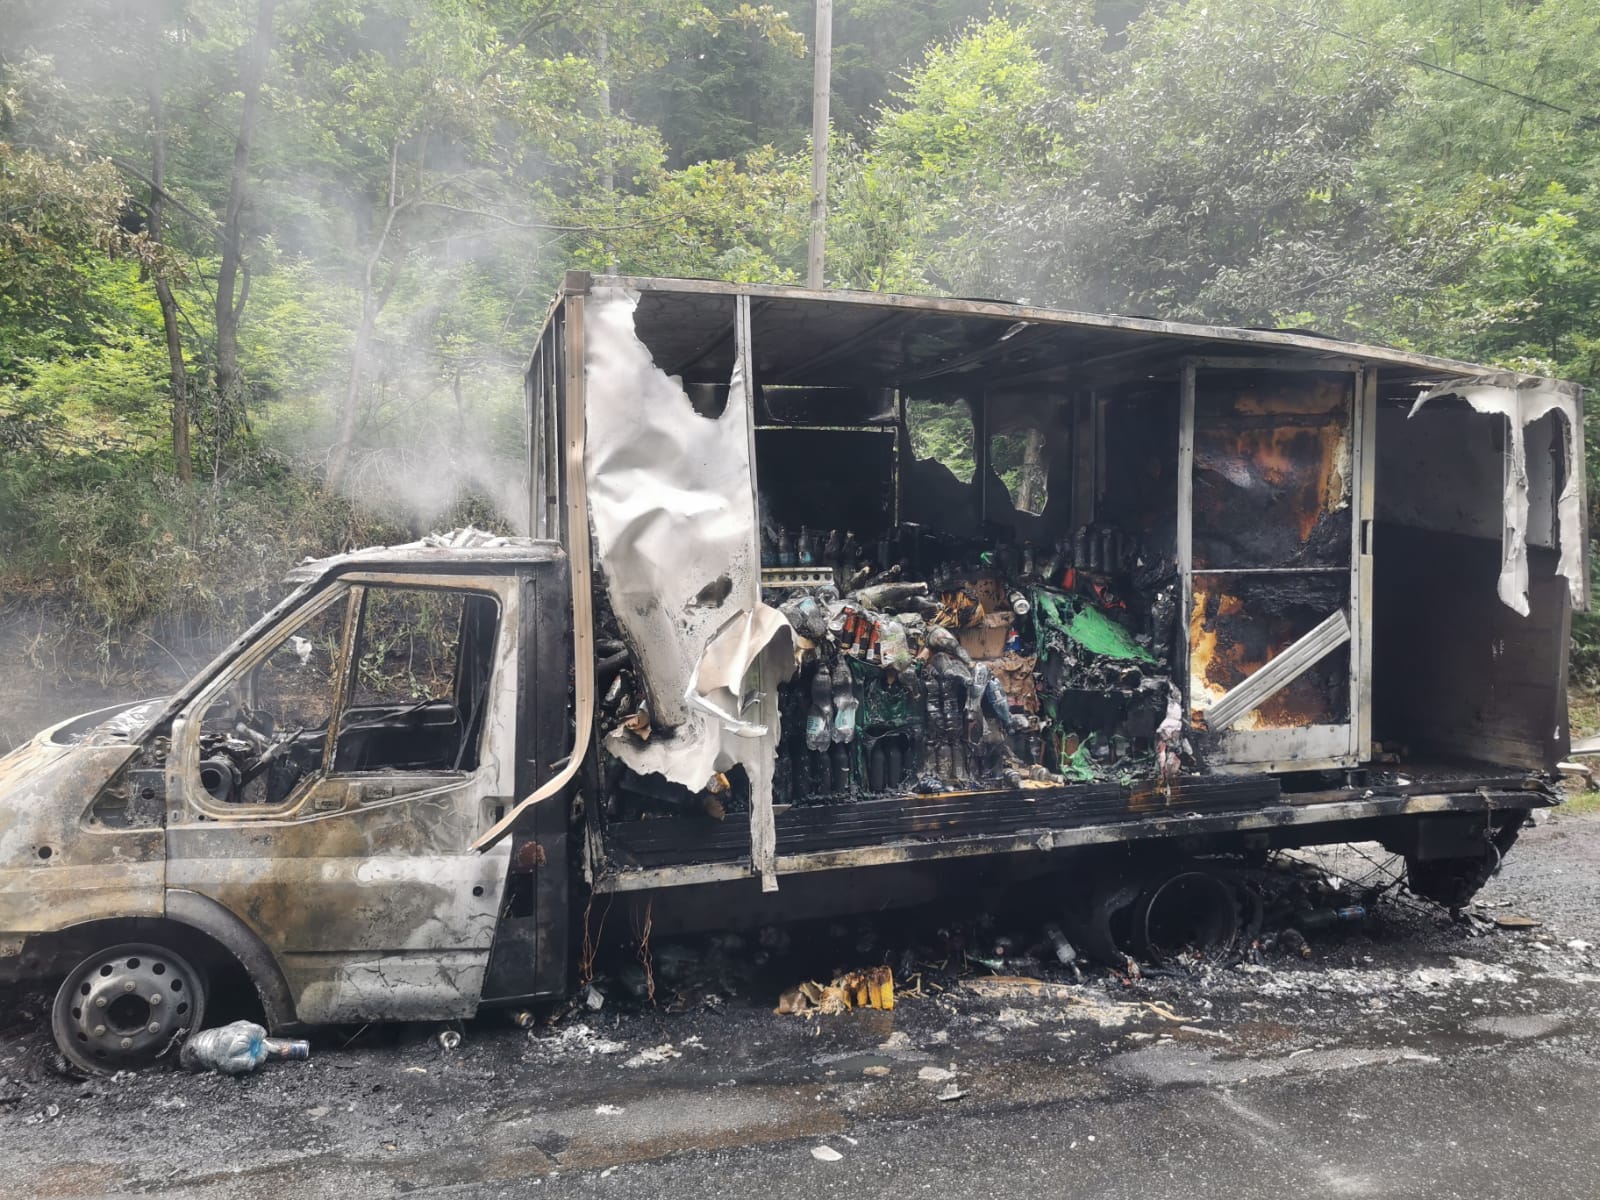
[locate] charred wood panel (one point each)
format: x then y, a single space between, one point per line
1456 671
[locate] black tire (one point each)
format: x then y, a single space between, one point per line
123 1007
1453 882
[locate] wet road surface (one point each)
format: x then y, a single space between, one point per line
1418 1058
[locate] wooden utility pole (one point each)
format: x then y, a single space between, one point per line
821 80
608 178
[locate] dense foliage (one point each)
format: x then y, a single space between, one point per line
261 259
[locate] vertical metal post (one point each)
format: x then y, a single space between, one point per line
902 455
1186 405
745 370
533 423
821 79
554 353
1364 456
763 821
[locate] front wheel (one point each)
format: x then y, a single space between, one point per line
121 1008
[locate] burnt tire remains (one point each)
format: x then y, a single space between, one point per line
122 1008
1453 882
1191 910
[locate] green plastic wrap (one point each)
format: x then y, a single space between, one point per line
1067 617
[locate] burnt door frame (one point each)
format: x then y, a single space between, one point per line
1306 747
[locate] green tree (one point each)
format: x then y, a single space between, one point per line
967 127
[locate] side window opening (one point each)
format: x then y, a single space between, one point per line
1022 460
941 431
421 671
261 736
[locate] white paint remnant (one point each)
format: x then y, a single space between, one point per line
1521 400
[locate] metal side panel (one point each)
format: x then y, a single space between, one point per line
575 537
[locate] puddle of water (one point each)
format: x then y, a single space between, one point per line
1179 1063
1522 1027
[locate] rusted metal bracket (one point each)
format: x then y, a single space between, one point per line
1295 660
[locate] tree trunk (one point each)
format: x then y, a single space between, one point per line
1030 488
345 435
169 304
373 300
231 293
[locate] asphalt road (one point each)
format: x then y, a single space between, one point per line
1416 1058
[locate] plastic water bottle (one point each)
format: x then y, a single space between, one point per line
238 1049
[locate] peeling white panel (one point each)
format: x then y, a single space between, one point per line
723 687
1521 401
672 504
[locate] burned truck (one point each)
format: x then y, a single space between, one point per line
827 602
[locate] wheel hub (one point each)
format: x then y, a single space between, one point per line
126 1006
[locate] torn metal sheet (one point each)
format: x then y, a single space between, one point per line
672 500
1523 400
763 638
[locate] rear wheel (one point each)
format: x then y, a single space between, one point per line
122 1007
1453 882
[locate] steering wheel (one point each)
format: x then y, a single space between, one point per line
274 749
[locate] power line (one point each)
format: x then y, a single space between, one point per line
1416 60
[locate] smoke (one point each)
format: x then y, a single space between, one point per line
463 482
438 438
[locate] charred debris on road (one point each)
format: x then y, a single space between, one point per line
1183 922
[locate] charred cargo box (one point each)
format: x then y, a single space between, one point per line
878 580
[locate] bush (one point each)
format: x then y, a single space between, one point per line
131 559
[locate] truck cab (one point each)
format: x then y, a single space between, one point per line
306 808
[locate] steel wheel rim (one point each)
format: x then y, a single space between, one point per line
122 1007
